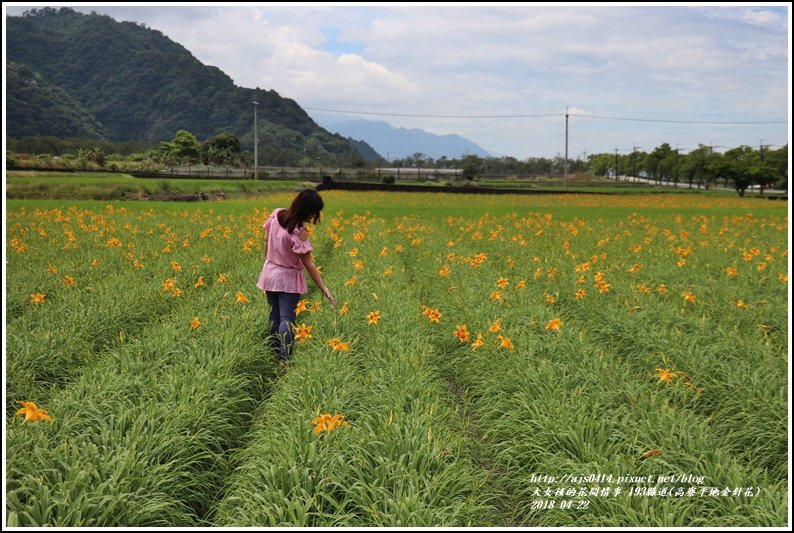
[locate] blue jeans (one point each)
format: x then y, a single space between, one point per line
282 317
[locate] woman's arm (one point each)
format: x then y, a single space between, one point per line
306 259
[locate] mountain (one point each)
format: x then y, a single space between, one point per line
365 150
396 143
30 98
123 81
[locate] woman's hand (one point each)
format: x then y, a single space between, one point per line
331 298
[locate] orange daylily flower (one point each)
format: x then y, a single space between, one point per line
338 346
199 283
328 423
433 315
373 317
344 309
502 282
37 298
303 305
688 296
302 332
342 347
650 453
241 298
496 327
554 324
505 342
195 322
33 413
462 333
478 342
665 375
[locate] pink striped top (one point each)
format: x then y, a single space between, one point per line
283 269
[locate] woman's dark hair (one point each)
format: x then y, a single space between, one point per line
305 207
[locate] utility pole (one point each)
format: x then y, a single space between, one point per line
761 149
565 165
616 164
256 143
634 161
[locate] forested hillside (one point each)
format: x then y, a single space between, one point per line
74 74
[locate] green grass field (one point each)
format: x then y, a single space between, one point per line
561 360
108 186
86 186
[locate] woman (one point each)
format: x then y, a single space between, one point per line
287 253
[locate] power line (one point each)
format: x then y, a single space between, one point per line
633 119
539 115
430 116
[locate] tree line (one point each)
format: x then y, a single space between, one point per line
740 167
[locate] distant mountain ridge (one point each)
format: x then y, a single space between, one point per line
72 74
397 143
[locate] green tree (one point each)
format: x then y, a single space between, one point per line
184 148
471 165
222 149
763 175
740 161
653 162
694 166
600 164
778 160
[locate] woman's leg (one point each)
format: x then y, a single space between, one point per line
273 301
287 302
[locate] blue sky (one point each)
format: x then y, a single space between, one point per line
665 63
